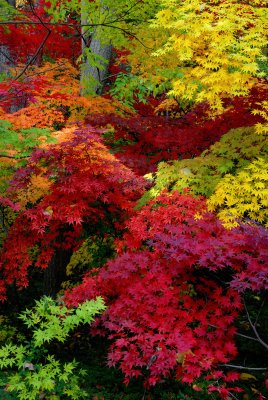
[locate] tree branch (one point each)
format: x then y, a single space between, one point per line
242 367
13 157
40 47
253 326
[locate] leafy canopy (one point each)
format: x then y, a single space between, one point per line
210 48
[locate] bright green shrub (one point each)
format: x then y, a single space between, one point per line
243 196
201 175
31 372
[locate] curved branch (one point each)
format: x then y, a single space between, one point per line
40 47
253 326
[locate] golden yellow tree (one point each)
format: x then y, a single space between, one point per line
204 50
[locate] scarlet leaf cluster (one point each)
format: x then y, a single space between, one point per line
143 140
23 40
174 291
89 189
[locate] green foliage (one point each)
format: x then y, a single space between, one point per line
126 85
39 374
7 11
201 175
53 321
16 146
7 330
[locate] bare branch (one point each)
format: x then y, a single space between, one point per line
245 368
13 157
238 334
40 47
253 326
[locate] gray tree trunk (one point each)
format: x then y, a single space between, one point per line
92 76
96 54
12 2
5 59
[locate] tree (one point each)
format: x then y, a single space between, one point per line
203 51
104 23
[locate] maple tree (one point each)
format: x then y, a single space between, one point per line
184 294
167 308
203 50
80 177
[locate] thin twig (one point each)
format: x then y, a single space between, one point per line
2 222
40 47
242 367
237 333
6 56
254 328
43 23
13 157
260 309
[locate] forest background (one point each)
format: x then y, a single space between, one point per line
134 199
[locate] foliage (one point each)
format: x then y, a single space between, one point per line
172 306
243 196
214 46
52 100
185 295
16 147
235 151
93 253
91 193
23 40
143 140
263 112
6 11
39 374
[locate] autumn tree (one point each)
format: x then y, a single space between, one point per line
104 24
203 51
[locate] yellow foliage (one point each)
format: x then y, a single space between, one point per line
37 188
170 107
262 128
236 149
213 45
244 196
81 259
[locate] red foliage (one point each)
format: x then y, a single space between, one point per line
172 291
23 40
89 188
149 139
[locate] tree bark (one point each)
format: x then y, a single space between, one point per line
96 54
92 77
55 273
11 3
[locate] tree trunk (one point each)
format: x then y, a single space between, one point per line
5 59
55 273
92 75
11 3
96 53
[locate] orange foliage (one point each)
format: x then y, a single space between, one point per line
35 115
57 101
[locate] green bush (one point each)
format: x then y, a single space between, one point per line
30 372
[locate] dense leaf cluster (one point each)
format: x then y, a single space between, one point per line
174 291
